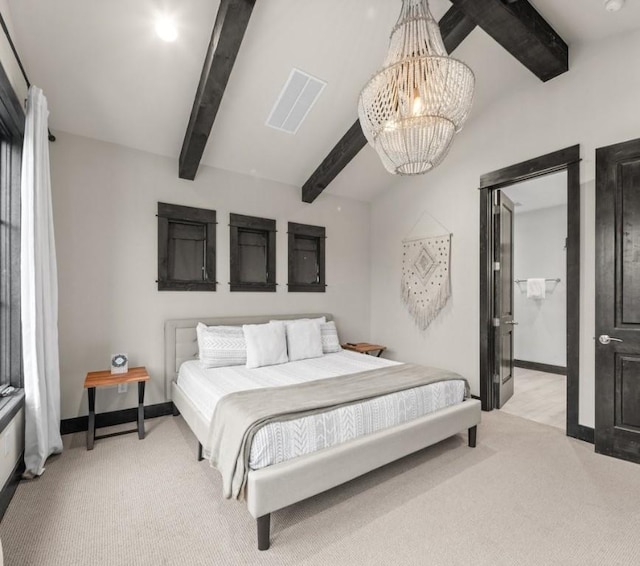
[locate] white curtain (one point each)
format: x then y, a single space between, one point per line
39 296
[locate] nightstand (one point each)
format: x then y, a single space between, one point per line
105 378
364 348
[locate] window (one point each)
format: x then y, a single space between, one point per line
11 136
306 258
253 253
186 248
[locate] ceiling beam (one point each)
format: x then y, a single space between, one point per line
342 153
522 31
228 31
454 26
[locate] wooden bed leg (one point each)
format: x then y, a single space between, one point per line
176 413
264 527
472 436
201 457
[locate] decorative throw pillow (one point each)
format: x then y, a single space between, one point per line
221 346
266 344
330 340
320 320
304 340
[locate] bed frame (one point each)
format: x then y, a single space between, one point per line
275 487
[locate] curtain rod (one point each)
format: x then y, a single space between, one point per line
52 138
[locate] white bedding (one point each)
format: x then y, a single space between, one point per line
282 441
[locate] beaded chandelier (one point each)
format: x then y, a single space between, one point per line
410 110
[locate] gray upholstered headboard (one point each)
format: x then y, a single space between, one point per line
181 344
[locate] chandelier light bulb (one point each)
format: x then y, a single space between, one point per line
417 108
166 29
410 110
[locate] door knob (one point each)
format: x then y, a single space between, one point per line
512 322
606 339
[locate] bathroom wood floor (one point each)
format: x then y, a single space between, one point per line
539 397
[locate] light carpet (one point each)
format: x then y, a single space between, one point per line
527 495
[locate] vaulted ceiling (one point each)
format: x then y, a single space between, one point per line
108 76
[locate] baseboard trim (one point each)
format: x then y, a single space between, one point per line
81 424
547 368
10 486
586 433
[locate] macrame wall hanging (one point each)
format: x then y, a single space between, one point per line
426 273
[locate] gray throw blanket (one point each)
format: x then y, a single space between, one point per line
239 415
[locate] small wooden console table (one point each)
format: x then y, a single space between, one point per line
105 378
364 348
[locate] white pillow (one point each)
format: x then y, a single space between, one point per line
320 320
220 346
330 340
266 344
304 340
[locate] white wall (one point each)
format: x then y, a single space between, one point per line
538 246
105 199
594 104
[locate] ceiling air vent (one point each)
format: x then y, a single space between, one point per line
298 96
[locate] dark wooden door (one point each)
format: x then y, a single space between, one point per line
617 430
503 285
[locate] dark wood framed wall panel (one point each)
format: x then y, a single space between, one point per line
228 32
565 159
239 223
175 216
455 26
317 235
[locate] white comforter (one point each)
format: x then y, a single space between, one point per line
282 441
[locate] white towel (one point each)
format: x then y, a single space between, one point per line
536 289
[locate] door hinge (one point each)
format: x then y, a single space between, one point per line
495 322
496 209
496 266
496 378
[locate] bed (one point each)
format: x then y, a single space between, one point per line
278 475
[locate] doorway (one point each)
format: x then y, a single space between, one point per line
539 294
501 285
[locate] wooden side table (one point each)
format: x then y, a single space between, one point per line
105 378
364 348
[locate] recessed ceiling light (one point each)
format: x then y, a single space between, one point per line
166 29
613 5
